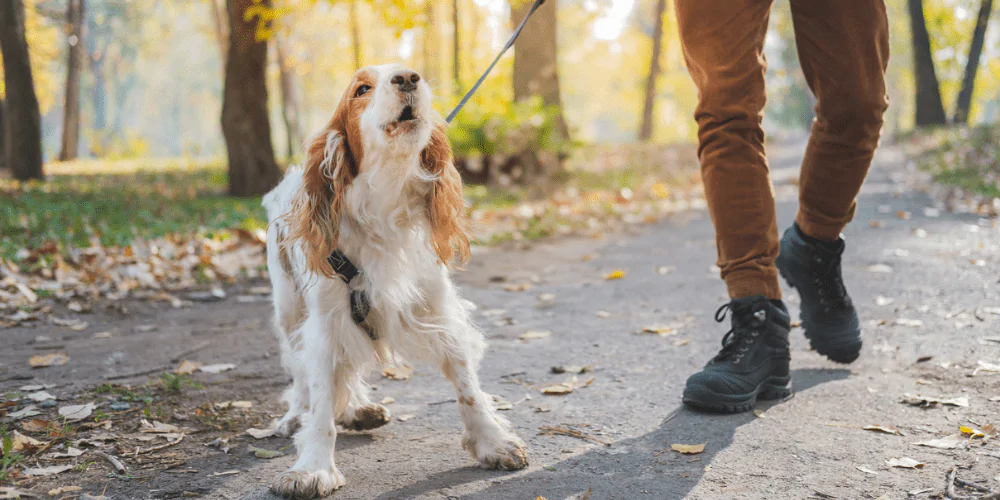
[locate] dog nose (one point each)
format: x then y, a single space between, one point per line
406 80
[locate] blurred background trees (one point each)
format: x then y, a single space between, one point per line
116 79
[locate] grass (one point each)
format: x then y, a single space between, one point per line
9 457
114 203
124 394
962 157
175 383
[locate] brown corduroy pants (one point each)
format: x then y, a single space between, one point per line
843 48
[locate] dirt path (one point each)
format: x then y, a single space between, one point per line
927 288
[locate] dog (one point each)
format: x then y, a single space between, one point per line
380 186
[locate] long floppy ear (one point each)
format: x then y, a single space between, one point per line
445 203
313 220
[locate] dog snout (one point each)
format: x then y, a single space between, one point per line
406 80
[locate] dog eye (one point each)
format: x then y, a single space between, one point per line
362 90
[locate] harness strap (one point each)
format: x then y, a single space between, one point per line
360 303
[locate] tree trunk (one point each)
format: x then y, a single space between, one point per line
289 98
649 103
245 123
4 129
456 50
536 69
930 110
355 34
964 100
221 35
23 150
431 46
71 111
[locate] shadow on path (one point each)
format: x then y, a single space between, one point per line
642 465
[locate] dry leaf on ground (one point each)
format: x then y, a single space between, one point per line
549 430
534 335
404 418
260 433
912 323
20 442
219 368
688 449
187 367
664 330
158 427
64 490
905 463
866 470
518 287
40 396
927 401
388 400
53 359
617 274
224 473
880 269
570 369
946 443
234 404
879 428
982 366
603 314
397 372
36 425
77 412
566 387
70 452
262 453
46 471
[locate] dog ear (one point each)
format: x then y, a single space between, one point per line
445 203
314 218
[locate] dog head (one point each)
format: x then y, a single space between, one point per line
385 129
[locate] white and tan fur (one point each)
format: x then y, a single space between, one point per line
381 186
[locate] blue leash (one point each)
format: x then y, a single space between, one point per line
510 43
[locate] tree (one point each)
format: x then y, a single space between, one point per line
964 101
245 123
289 96
930 110
456 50
646 130
71 111
536 69
23 150
221 36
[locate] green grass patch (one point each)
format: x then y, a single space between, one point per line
114 204
968 158
8 457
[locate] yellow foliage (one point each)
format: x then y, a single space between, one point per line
44 51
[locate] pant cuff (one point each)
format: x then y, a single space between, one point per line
748 284
822 232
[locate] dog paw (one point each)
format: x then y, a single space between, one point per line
368 417
502 452
287 425
302 485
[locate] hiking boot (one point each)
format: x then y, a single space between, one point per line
753 362
813 268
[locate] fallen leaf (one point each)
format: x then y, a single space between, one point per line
518 287
880 269
570 369
659 330
983 366
46 471
158 427
501 404
558 389
27 411
187 367
404 418
905 463
534 335
20 442
603 314
219 368
234 404
74 413
879 428
63 490
40 396
758 413
913 323
36 425
11 493
903 214
681 342
986 430
260 433
101 335
70 452
884 301
388 400
866 470
224 473
397 372
946 443
688 449
926 401
617 274
53 359
547 297
262 453
664 270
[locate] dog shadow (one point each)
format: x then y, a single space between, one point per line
629 468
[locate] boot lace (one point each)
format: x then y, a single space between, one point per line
829 283
736 343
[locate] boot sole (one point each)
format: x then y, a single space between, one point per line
771 389
844 352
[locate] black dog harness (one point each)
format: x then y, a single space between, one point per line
360 304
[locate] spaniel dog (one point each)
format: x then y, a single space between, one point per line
379 187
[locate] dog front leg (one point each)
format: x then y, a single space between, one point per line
315 474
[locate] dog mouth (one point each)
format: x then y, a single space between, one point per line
406 122
406 115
